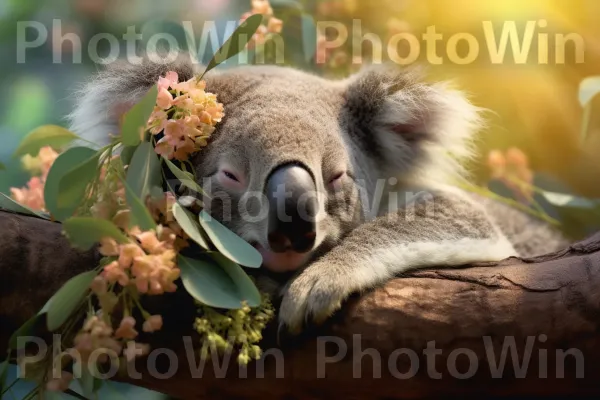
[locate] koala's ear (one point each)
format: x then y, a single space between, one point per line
101 102
405 123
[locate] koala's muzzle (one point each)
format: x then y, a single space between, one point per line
293 206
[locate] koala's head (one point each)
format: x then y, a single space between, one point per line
295 157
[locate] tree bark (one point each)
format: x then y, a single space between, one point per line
430 333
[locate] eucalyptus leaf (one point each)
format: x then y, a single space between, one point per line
228 243
144 171
568 200
588 89
84 232
87 381
62 166
24 330
136 119
309 37
47 135
73 185
8 204
127 154
140 215
241 279
68 299
185 178
189 225
209 283
236 42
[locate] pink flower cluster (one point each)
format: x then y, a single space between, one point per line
148 262
32 195
186 114
273 25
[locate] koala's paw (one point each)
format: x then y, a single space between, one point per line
314 295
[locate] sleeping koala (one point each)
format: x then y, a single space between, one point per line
341 185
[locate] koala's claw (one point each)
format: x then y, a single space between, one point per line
311 296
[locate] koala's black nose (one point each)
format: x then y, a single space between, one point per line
293 206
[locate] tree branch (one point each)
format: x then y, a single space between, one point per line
546 305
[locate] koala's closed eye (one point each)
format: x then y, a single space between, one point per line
336 179
230 179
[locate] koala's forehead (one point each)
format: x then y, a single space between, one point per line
278 111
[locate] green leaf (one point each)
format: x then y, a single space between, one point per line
84 232
68 299
186 178
140 215
241 279
189 225
228 243
309 37
127 154
47 135
72 186
7 203
588 89
236 42
211 284
137 118
24 330
570 201
65 164
87 381
144 171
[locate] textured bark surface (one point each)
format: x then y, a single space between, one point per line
546 305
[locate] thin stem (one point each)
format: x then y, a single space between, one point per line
7 389
511 202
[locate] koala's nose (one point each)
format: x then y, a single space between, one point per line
293 206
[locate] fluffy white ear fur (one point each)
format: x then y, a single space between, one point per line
411 119
102 101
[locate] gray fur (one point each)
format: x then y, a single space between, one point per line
381 123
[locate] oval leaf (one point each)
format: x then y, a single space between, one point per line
7 203
188 223
588 89
63 165
236 42
228 243
210 284
140 215
84 232
185 179
136 119
72 186
47 135
68 299
25 330
241 279
127 154
144 171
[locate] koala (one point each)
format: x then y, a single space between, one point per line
344 183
